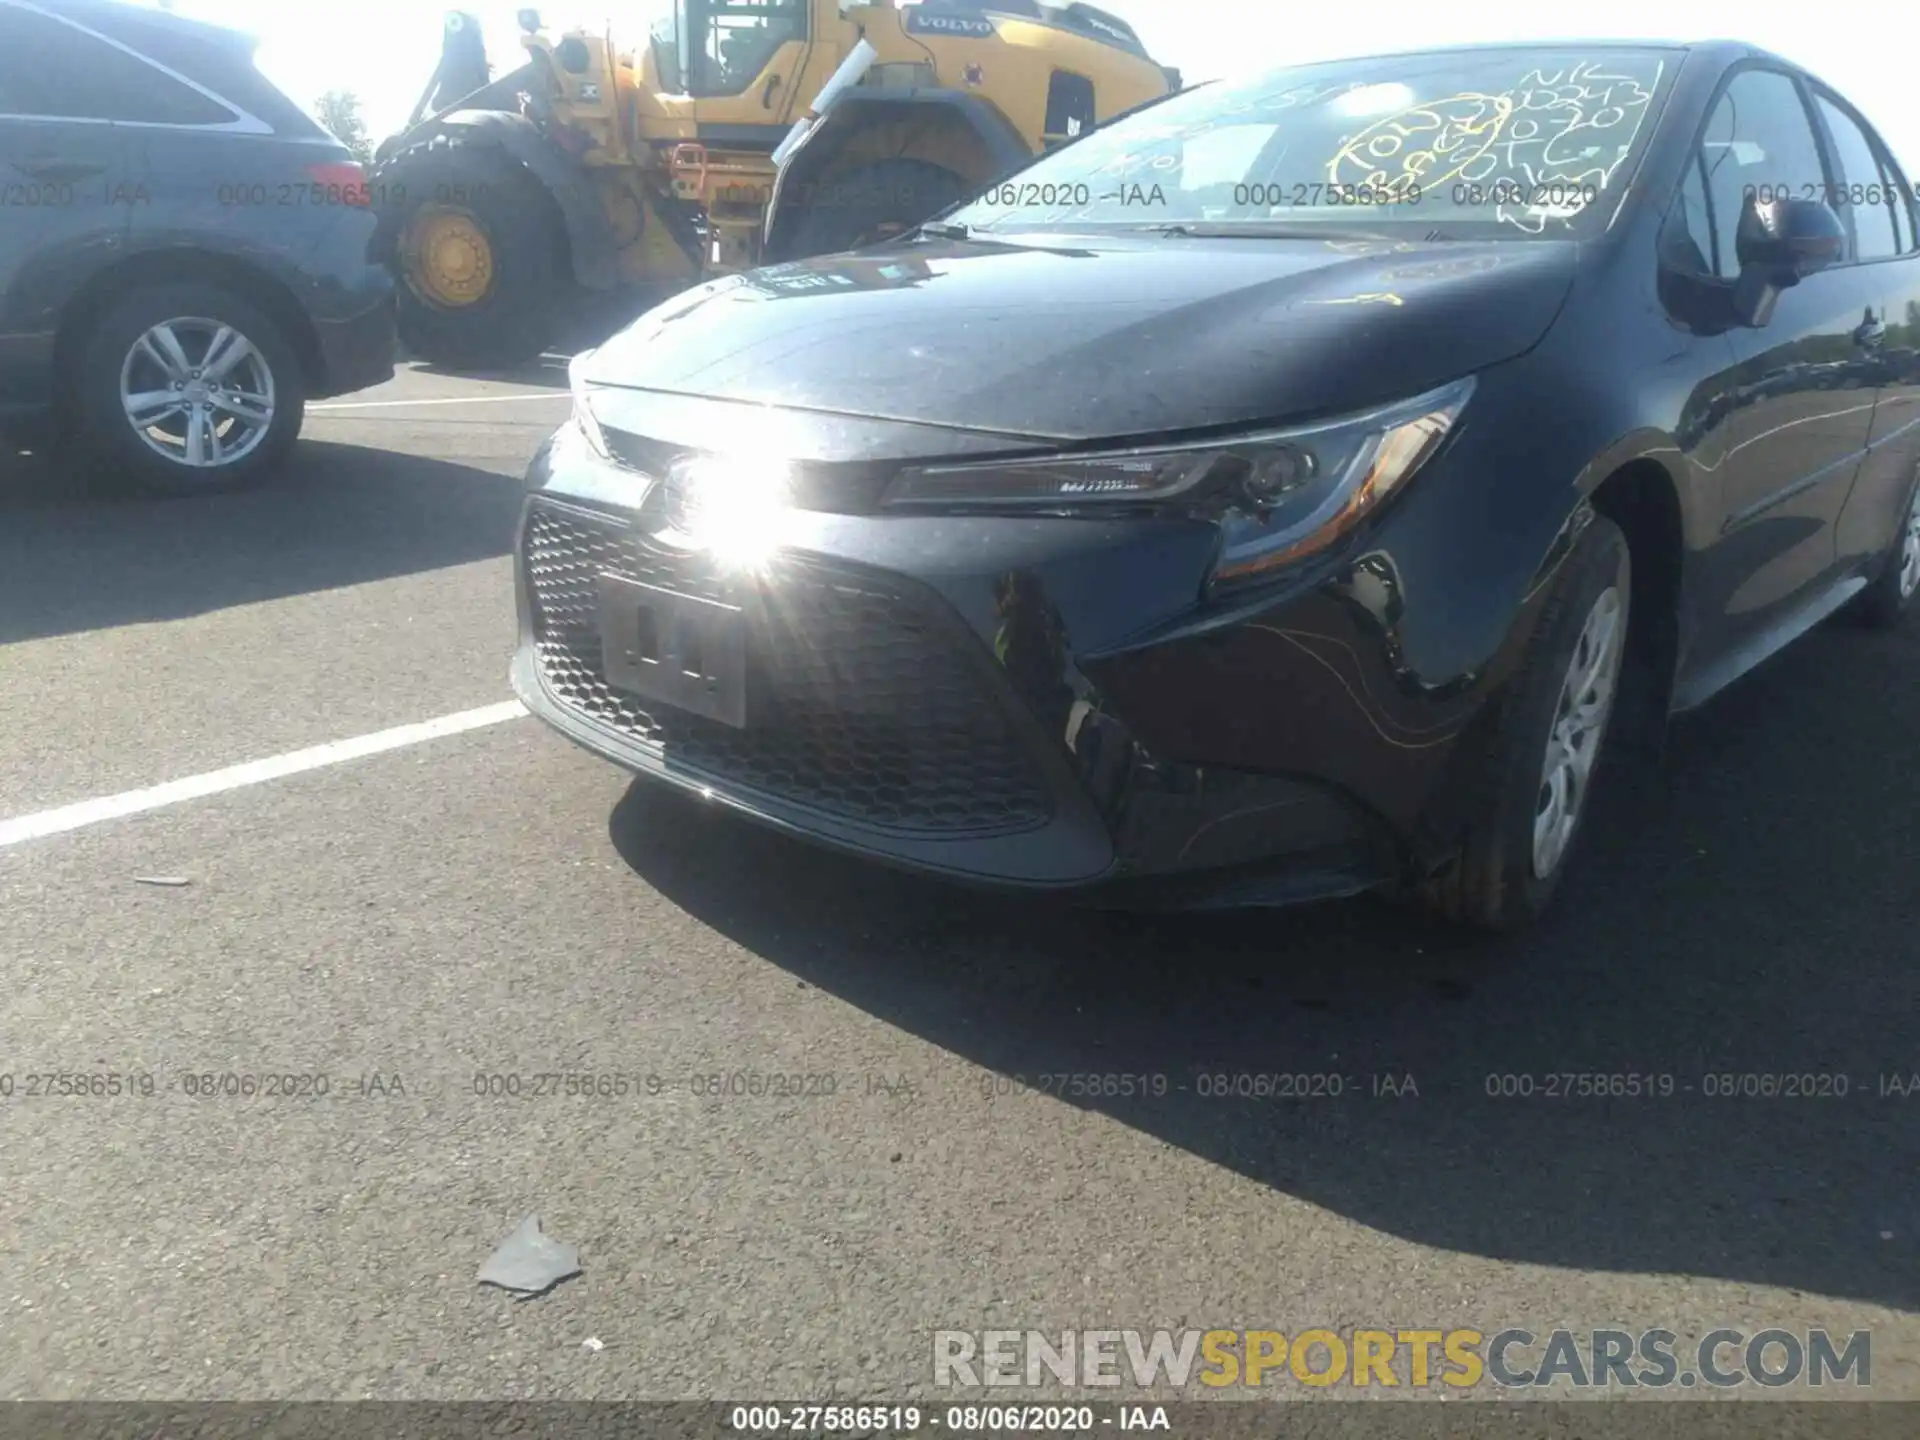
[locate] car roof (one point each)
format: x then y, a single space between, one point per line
106 15
1725 51
1716 52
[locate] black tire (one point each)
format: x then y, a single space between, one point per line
863 206
1494 884
1885 602
96 422
520 308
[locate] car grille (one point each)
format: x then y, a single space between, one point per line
857 707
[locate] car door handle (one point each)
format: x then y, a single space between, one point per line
766 92
1870 333
56 168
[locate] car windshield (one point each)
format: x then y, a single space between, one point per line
1500 142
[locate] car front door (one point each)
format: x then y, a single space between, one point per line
1875 198
63 173
1803 384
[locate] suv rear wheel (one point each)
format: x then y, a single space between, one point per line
187 388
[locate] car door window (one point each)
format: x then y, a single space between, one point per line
1906 213
219 63
1861 189
1899 200
1758 145
53 70
1687 240
12 57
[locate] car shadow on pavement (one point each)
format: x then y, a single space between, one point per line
545 373
1746 908
76 555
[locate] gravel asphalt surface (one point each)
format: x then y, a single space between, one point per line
496 903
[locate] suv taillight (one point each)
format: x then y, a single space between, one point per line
342 182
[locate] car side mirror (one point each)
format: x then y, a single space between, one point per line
1779 243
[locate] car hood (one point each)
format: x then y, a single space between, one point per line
1065 339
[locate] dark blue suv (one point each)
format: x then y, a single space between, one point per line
183 251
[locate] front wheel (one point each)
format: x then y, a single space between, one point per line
187 389
1547 743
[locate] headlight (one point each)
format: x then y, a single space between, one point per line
735 507
732 504
1279 496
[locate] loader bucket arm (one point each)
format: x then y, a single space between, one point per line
462 70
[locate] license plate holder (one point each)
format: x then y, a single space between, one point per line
682 650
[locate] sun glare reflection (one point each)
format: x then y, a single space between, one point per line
735 507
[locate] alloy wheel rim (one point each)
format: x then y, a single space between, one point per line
1579 725
1910 549
197 392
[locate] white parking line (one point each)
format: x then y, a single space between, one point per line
196 787
443 400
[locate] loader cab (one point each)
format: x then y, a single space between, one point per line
720 49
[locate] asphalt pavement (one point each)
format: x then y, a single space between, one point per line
859 1108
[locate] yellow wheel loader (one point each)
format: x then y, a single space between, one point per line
739 133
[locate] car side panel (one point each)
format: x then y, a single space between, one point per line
1884 487
1805 395
65 214
1883 490
248 196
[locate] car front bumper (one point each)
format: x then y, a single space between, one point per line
1034 703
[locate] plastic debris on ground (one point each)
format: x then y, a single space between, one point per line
530 1261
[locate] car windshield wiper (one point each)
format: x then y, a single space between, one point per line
957 230
1255 230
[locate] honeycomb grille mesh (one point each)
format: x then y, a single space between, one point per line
856 707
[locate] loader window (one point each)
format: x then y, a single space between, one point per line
1070 109
664 38
732 41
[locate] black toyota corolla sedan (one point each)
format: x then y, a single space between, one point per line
1271 495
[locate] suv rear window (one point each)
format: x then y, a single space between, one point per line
51 68
222 61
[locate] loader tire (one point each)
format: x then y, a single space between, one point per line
480 255
867 205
